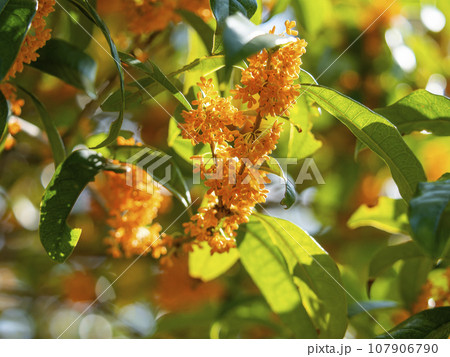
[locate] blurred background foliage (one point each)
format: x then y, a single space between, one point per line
371 54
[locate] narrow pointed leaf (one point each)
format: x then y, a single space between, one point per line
420 110
380 135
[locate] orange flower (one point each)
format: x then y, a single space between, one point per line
209 123
269 78
235 182
13 129
34 40
132 210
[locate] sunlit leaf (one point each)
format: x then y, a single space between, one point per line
69 180
432 323
65 61
420 110
314 272
205 32
242 38
264 262
429 215
389 215
15 20
374 131
273 166
312 15
204 266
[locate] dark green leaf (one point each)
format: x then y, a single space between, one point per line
376 132
56 143
420 110
388 256
389 215
205 32
15 20
429 215
413 275
86 8
204 266
315 273
432 323
4 113
69 180
273 166
65 61
242 38
367 306
81 28
224 8
268 269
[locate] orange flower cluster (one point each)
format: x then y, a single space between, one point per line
145 16
235 182
269 78
132 210
34 40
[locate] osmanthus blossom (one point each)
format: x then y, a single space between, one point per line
36 38
235 182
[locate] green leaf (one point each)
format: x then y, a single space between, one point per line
429 215
376 132
156 82
15 20
81 28
368 306
224 8
56 143
279 7
412 276
86 8
4 113
65 61
69 180
432 323
157 164
273 166
312 15
420 110
315 273
205 32
267 267
389 255
389 215
242 38
204 266
155 73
